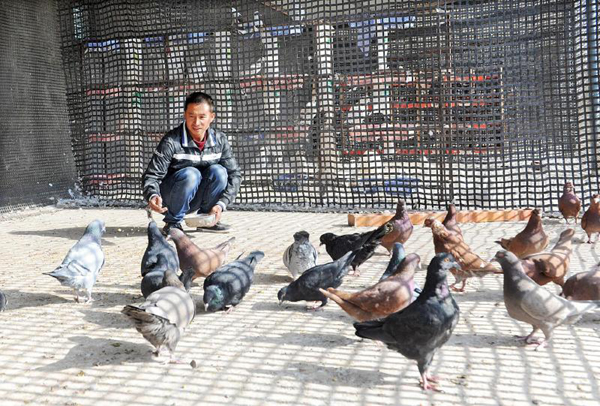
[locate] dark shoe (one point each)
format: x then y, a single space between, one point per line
217 228
168 226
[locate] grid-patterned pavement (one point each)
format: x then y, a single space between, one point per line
56 351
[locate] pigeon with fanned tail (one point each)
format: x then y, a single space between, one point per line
569 204
531 240
402 227
471 264
382 299
306 287
531 303
165 314
159 254
590 222
364 243
203 261
80 268
420 329
226 287
301 255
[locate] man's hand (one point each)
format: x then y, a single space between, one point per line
216 210
155 204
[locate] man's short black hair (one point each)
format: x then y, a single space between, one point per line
197 98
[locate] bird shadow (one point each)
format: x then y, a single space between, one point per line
298 308
306 340
19 300
109 299
271 279
486 340
318 374
105 319
90 352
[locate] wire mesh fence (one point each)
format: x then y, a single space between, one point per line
344 104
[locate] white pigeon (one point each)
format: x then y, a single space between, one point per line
301 255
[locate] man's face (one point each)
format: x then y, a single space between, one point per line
198 118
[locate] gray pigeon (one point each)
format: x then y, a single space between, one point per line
83 262
228 285
527 301
3 301
159 254
419 330
301 255
329 275
165 314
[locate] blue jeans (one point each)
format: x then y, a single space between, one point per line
191 189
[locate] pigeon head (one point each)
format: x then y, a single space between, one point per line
213 299
170 279
301 236
595 199
327 238
400 207
254 257
96 228
451 209
282 294
568 187
443 262
153 231
176 234
507 260
428 222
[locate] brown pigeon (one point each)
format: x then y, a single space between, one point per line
569 204
386 297
583 285
451 225
450 220
402 230
471 263
551 266
202 261
531 240
590 221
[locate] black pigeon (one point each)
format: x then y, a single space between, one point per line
425 325
338 245
306 287
159 255
229 284
153 281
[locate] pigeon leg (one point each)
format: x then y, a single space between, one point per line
355 271
229 310
427 385
316 306
529 338
541 343
89 297
462 288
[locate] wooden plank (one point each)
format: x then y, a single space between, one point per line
417 218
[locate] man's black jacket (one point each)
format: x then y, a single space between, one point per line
177 150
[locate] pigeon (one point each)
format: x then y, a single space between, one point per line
339 245
421 328
569 204
202 261
386 297
3 301
402 228
153 281
165 314
398 255
159 254
590 221
301 255
450 221
83 262
551 266
528 302
583 286
531 240
471 264
228 285
306 287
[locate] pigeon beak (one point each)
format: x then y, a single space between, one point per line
280 302
168 238
205 307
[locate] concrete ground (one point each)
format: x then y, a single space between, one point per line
55 351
